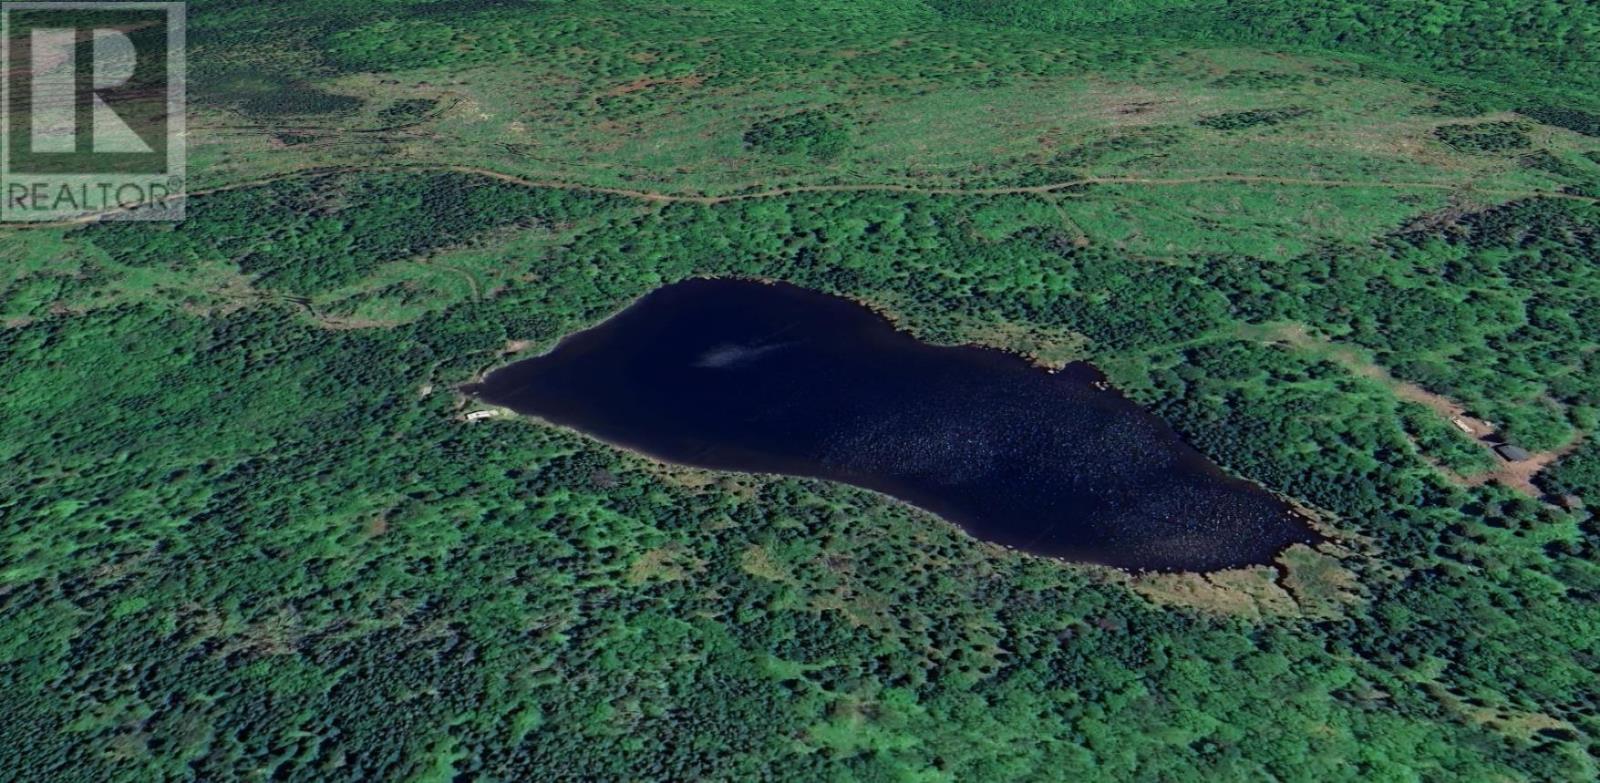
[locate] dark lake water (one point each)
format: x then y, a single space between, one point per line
747 376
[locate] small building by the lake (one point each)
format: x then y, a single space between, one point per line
1512 453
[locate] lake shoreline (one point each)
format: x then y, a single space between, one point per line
984 438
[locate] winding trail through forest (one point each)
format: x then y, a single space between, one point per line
687 198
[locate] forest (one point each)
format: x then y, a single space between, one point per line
307 562
249 534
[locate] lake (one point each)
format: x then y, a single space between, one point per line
772 378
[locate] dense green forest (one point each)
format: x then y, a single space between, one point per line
249 534
1518 45
256 542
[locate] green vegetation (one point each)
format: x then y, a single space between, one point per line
1517 44
249 536
1437 439
307 236
809 133
1578 120
409 109
1485 137
289 531
1258 79
643 96
297 98
1250 119
1579 474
